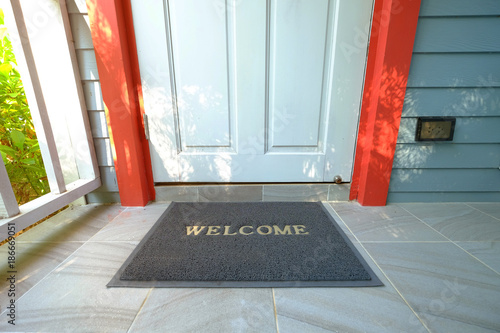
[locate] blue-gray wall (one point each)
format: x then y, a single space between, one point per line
455 71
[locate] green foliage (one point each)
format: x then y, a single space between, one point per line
18 144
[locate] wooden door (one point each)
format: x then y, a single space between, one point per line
252 90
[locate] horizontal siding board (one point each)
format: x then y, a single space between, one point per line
108 178
108 192
98 124
93 95
467 130
76 6
445 180
447 156
103 152
103 197
443 197
80 28
108 189
452 102
459 7
476 34
455 70
88 64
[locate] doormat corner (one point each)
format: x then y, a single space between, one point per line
245 244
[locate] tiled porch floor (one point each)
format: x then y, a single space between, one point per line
440 264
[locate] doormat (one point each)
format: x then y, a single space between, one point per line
254 244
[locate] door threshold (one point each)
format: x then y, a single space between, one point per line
237 192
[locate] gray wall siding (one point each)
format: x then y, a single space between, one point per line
455 71
108 192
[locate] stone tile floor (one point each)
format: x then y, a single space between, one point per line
440 264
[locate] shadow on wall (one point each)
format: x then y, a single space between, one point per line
474 153
388 99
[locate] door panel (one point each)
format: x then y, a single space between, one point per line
201 66
251 91
298 42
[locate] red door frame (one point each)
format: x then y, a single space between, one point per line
388 64
113 36
389 57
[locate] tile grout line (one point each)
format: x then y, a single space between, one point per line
313 324
427 224
382 271
452 241
73 253
467 204
275 311
404 242
125 210
63 262
140 309
473 256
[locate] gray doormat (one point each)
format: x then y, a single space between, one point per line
254 244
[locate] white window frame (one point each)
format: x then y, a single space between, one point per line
65 189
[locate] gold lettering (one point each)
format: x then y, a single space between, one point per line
213 230
194 229
246 233
269 230
286 230
226 231
300 230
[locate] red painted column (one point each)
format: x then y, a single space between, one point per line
389 57
116 54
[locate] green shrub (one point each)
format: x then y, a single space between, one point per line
18 143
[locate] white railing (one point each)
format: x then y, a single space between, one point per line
42 40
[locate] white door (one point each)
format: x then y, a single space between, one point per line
252 90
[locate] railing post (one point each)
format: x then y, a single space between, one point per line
8 203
